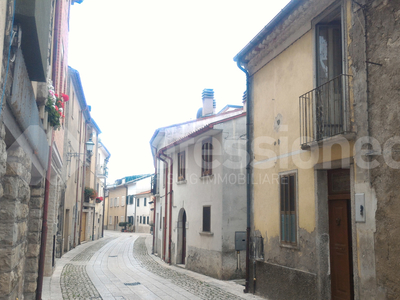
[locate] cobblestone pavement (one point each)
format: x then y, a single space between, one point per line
194 286
120 267
75 282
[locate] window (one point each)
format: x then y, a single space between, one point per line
147 220
131 200
144 202
181 166
111 202
206 158
137 203
110 220
329 48
288 209
140 219
115 202
123 201
122 219
206 218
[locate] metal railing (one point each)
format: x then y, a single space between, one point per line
324 111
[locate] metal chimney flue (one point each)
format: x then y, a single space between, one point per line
209 103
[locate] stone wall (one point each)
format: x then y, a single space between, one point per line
383 44
14 214
34 240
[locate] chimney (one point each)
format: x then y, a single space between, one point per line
209 103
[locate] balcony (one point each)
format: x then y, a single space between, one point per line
325 111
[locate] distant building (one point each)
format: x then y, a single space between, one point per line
200 190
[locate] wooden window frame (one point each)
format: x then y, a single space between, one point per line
181 166
206 157
288 208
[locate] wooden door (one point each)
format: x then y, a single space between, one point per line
183 237
340 235
83 227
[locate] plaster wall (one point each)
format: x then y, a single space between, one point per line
211 253
116 211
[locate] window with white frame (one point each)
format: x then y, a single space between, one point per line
123 201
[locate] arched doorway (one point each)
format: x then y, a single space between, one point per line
181 249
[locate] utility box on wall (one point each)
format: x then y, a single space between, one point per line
240 240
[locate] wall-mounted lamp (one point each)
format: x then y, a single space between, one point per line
89 149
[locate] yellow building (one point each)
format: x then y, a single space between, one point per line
311 208
116 206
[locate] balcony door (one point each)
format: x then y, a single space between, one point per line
329 91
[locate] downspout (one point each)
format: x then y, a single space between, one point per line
126 204
248 172
44 224
165 208
154 202
77 181
170 205
83 185
43 241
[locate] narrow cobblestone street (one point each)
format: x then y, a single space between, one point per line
120 266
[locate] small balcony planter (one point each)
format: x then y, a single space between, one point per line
90 194
99 199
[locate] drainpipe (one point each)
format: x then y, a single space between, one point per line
43 241
170 205
83 185
44 225
248 171
77 181
165 208
154 202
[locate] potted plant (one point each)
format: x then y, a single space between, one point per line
54 107
90 193
123 224
99 199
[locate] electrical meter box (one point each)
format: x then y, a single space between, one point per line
240 240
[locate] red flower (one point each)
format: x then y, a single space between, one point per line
65 97
56 95
60 113
56 107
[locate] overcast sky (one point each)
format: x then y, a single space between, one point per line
144 64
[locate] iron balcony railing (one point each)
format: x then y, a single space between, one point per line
325 111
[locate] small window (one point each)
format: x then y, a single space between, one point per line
110 220
140 219
147 220
144 202
288 209
123 201
122 219
206 219
131 200
181 166
111 202
115 202
206 157
137 202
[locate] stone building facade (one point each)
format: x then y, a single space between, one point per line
323 97
29 59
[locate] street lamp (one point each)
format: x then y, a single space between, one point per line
89 148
